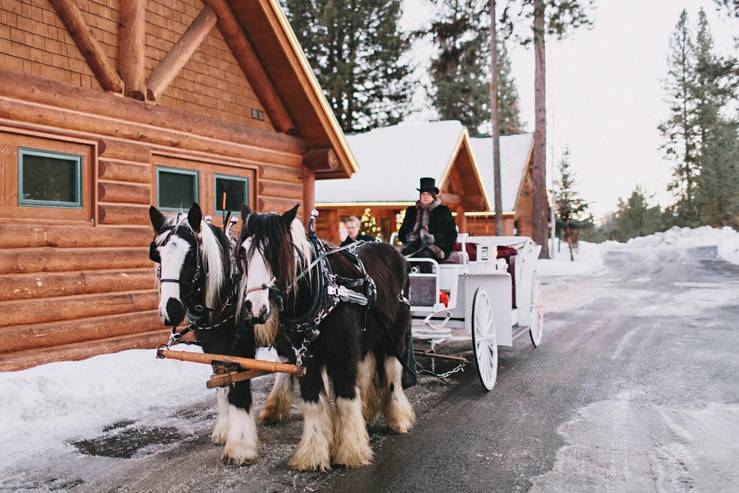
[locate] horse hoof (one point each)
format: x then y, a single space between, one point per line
273 415
306 464
238 457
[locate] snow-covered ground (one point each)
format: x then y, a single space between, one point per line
589 256
47 407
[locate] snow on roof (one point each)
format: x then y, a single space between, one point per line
391 161
514 155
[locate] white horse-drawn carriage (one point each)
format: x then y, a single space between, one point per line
479 294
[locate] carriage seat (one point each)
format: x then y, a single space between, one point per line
457 256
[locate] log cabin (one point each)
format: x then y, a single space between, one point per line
393 159
516 166
107 106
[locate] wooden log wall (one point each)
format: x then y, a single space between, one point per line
72 290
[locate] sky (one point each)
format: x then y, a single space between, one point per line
605 93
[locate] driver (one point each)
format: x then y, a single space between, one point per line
428 229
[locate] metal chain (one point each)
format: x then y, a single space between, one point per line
443 376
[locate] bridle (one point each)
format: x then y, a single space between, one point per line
327 289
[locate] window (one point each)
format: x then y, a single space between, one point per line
49 179
177 189
236 190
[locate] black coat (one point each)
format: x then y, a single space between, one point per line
441 225
360 237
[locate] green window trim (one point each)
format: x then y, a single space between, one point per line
180 171
25 151
218 200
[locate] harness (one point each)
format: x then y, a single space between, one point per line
198 315
329 289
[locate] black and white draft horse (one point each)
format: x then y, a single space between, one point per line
195 282
355 346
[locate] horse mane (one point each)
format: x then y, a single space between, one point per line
213 253
277 243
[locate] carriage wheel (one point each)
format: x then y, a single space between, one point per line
484 340
536 315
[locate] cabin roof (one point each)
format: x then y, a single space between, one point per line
393 159
282 57
515 151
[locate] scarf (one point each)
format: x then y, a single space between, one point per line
423 212
421 228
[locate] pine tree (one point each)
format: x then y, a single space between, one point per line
718 182
636 217
460 73
573 213
359 57
679 129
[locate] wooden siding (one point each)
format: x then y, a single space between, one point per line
34 41
211 83
72 288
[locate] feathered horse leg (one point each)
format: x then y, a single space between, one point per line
314 451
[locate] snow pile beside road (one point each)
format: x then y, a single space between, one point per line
683 238
46 406
588 260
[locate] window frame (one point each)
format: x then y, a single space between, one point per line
79 161
181 171
243 179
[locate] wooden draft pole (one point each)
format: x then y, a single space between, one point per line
132 46
245 363
495 121
181 52
73 20
251 66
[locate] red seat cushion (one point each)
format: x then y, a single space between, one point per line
471 250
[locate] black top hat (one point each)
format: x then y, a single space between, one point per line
428 184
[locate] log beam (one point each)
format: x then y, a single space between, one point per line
71 16
105 114
321 159
252 67
181 52
131 47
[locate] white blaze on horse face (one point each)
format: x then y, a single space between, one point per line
258 273
173 255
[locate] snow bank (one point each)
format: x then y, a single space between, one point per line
45 407
588 260
683 238
589 256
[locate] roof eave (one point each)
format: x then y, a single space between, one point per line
331 126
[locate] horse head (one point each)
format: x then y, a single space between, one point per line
186 248
271 248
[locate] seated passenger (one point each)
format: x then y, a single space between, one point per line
428 229
352 228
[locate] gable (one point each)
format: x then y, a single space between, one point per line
211 82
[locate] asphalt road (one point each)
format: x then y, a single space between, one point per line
635 388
